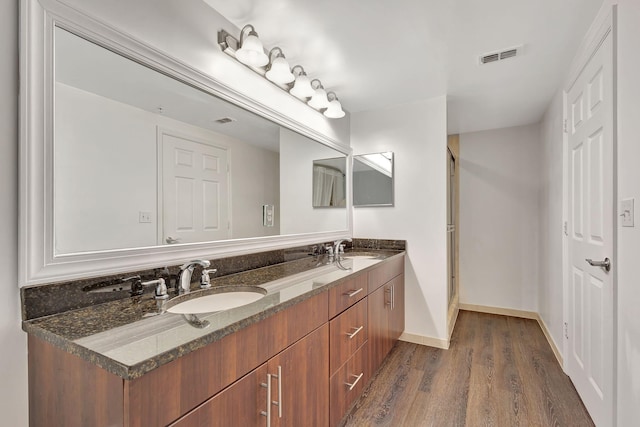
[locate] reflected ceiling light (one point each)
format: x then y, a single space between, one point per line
319 99
275 68
302 87
334 110
251 51
279 71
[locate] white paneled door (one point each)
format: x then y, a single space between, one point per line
195 195
591 225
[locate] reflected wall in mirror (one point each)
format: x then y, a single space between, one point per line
329 184
373 179
142 159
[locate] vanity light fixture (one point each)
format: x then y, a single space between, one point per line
251 51
334 110
275 68
279 71
319 99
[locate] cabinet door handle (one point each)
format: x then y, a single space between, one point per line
353 384
267 413
393 297
354 333
279 402
388 291
353 293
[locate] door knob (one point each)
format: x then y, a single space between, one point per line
606 264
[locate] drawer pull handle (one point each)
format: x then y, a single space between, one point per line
353 293
354 333
353 384
267 413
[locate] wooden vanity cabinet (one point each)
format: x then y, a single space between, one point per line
322 371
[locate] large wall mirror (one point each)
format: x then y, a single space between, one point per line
373 179
144 166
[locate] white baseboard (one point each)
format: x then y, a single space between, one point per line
424 340
518 313
552 343
499 310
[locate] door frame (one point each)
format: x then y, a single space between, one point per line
603 25
161 131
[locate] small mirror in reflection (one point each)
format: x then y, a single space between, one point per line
329 183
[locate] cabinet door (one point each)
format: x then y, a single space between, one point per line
396 325
244 403
300 382
378 320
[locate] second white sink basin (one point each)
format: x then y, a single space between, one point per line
225 299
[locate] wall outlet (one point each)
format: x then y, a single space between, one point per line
268 213
144 217
626 213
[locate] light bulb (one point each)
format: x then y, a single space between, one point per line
302 88
252 52
280 72
334 111
319 99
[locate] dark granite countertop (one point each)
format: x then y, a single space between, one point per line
130 337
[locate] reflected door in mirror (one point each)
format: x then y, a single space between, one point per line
194 191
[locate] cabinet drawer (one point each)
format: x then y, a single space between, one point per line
346 294
347 384
347 333
385 272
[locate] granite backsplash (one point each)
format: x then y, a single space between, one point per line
45 300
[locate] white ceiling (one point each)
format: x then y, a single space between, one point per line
381 53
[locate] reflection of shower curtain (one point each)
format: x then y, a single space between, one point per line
328 187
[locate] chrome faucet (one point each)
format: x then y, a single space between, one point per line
186 271
337 246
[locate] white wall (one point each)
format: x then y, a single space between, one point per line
120 151
297 214
550 290
417 135
499 217
13 360
628 377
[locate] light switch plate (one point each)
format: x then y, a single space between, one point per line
626 213
144 217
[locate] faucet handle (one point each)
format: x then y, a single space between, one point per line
136 284
161 288
205 278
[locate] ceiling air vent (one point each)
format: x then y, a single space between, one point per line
500 55
224 120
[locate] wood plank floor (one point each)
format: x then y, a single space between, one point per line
499 371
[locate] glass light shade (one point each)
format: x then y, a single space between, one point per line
280 72
319 99
334 111
252 52
302 88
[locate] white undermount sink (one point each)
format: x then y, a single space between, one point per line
218 299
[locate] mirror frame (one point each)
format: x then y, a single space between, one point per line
38 263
